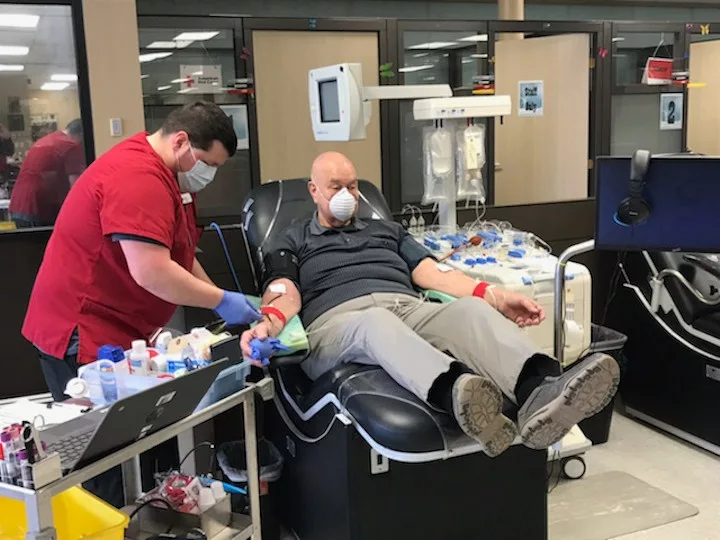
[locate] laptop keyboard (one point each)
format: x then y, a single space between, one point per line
71 448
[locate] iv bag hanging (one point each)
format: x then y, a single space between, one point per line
438 163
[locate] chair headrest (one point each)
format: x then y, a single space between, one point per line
272 207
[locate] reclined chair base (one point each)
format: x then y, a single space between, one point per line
338 488
670 379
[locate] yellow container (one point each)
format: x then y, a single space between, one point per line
77 515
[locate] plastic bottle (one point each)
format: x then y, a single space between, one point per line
139 357
108 381
162 342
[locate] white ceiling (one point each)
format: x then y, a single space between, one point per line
51 44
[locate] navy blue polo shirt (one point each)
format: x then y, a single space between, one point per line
331 266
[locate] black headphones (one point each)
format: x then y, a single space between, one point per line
635 210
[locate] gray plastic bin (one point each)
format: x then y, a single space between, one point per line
609 341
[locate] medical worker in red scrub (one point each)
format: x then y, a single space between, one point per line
122 255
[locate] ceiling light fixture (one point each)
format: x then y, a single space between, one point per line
168 44
433 45
13 50
186 90
11 67
149 57
61 77
421 55
195 36
476 37
16 20
52 86
165 87
144 76
478 56
413 69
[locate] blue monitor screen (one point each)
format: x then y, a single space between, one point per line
684 197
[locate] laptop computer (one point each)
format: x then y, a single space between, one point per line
97 434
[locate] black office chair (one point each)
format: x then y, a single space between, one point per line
365 458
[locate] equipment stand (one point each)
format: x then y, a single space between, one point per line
38 503
570 449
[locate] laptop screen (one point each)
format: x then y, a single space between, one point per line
684 196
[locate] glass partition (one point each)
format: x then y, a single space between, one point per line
181 64
631 51
636 123
41 132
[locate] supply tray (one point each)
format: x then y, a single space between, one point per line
228 381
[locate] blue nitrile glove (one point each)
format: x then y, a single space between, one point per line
235 309
262 350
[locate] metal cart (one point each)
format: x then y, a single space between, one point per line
38 502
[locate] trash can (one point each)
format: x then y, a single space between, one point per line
233 462
611 342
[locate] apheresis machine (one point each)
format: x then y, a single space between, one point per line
454 161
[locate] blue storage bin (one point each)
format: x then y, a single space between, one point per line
127 384
228 381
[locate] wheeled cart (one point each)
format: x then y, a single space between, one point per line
38 507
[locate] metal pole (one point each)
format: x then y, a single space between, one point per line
563 259
253 469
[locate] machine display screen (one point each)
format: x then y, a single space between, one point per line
329 101
683 193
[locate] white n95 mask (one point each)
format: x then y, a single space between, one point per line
342 205
197 178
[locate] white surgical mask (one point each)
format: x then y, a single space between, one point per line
342 204
197 178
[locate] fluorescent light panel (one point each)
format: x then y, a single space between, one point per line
165 87
413 69
144 76
11 67
433 45
478 56
13 50
17 20
169 44
195 36
54 86
64 77
476 37
149 57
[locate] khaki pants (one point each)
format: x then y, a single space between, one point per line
416 341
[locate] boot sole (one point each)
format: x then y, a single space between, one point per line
477 404
586 394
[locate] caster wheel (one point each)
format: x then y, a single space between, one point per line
573 468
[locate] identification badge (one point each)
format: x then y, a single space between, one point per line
187 198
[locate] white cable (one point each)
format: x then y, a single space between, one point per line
294 430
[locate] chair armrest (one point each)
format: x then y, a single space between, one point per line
437 296
287 359
293 336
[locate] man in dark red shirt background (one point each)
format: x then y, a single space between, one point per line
50 168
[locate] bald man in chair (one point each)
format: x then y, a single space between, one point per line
355 286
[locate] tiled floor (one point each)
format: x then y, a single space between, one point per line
665 462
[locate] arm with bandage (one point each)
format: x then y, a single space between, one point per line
281 299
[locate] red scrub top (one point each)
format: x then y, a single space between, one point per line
43 182
84 282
